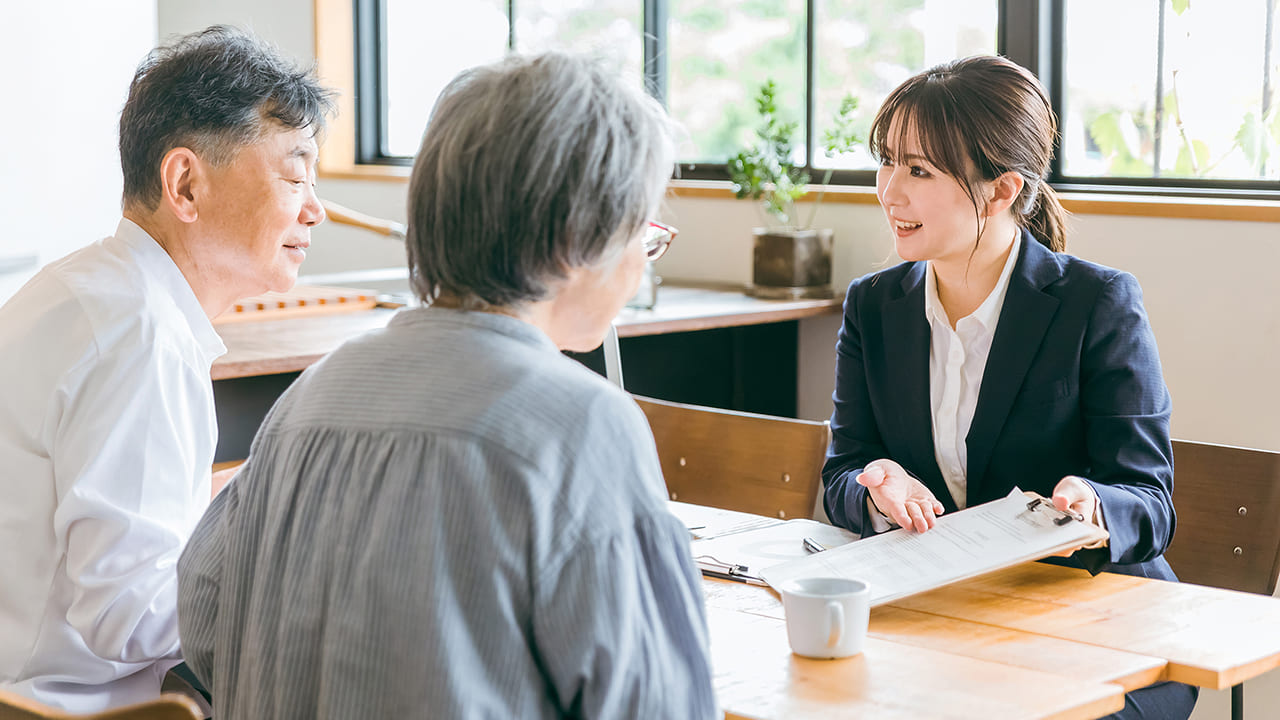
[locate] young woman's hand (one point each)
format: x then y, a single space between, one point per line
904 499
1074 494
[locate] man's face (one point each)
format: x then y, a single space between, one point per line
257 212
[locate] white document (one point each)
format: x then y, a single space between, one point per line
705 522
963 544
763 547
736 545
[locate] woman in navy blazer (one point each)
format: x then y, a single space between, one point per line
991 359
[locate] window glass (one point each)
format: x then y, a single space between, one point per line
611 28
1167 92
719 52
868 48
1198 105
424 51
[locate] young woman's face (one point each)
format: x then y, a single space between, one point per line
929 212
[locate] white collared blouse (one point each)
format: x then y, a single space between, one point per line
957 360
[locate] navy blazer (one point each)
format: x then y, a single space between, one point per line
1072 386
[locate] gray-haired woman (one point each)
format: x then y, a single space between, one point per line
449 515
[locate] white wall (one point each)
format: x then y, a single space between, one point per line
67 66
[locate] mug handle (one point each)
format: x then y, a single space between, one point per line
835 622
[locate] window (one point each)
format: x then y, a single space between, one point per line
1187 104
1158 96
422 51
706 59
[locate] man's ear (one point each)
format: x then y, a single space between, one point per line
1002 192
181 176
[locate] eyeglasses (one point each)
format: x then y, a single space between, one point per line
657 238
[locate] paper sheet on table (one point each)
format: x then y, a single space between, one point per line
963 544
707 522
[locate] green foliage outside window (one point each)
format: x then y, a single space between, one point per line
1136 141
766 171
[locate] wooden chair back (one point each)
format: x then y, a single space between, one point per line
170 706
1228 505
738 461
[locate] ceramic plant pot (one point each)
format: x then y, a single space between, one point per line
791 264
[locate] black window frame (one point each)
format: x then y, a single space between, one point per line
1029 32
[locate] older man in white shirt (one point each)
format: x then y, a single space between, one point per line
107 426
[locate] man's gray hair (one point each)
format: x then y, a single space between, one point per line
214 91
529 167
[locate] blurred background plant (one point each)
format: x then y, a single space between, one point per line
766 170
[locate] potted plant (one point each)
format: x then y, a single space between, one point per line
789 258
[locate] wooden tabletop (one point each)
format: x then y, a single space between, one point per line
289 345
1209 637
980 648
757 677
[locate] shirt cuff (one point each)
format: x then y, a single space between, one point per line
879 521
1098 520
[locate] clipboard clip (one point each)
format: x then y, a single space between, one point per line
712 563
1064 516
727 571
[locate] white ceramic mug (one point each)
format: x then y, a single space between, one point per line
826 617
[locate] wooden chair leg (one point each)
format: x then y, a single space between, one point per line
1237 702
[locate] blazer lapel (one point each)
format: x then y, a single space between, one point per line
906 344
1024 319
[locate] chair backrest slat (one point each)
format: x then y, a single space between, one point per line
738 461
1228 505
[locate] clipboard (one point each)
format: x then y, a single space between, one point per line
1018 528
733 545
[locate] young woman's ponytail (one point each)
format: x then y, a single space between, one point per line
1047 219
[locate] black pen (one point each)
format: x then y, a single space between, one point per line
812 545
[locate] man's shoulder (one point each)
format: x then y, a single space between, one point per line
91 305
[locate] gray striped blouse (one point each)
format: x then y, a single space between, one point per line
447 519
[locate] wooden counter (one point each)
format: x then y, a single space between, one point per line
290 345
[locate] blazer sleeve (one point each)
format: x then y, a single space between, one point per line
855 435
1126 409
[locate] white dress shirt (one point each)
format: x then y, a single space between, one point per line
107 434
957 360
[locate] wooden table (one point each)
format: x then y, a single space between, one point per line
1033 641
290 345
